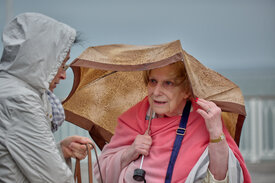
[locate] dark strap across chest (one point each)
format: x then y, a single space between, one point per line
177 143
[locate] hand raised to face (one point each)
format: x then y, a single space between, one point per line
212 116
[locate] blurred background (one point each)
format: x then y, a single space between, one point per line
235 38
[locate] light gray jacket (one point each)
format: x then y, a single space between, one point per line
34 48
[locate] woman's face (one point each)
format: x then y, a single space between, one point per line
165 96
61 73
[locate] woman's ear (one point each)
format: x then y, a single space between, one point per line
187 95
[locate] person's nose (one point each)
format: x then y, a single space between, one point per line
157 89
63 75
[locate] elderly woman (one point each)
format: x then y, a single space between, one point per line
207 152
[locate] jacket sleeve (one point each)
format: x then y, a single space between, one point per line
31 143
201 173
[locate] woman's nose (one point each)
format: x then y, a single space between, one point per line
63 75
157 89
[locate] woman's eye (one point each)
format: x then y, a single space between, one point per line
152 81
65 67
168 83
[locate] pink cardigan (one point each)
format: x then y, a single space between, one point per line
163 132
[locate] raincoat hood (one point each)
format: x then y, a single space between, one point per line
34 48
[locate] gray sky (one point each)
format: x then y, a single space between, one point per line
222 34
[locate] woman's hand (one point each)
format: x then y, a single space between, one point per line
212 116
75 146
140 146
218 152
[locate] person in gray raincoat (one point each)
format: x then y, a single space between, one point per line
36 48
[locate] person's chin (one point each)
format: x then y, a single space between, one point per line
159 110
53 87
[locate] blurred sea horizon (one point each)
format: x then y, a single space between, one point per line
252 82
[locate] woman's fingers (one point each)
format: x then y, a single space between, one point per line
79 150
142 144
207 108
211 114
79 155
76 147
80 140
206 105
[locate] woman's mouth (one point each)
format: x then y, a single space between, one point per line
159 102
